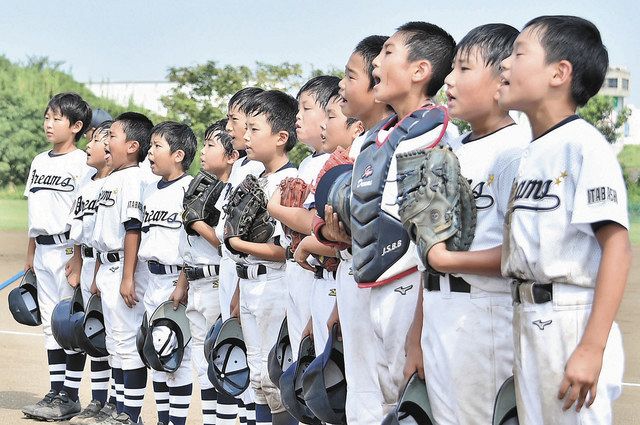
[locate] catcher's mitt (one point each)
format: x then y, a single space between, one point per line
293 193
247 215
200 199
435 201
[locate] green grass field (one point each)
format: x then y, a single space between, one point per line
14 214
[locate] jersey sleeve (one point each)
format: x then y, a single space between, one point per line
507 173
600 193
131 207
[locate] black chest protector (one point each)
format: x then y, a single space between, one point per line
380 243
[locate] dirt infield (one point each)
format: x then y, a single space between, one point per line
23 370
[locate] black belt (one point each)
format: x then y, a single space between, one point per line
456 284
109 257
243 271
535 293
195 273
159 268
319 273
87 251
53 239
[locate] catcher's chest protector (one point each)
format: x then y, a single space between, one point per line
380 243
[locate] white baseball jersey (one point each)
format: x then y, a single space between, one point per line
146 174
196 250
162 220
568 179
120 200
491 164
83 211
52 186
269 184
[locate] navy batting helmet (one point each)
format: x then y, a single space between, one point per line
505 411
281 355
324 384
91 335
23 301
291 384
413 406
228 365
67 316
164 337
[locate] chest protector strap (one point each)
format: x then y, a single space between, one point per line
380 244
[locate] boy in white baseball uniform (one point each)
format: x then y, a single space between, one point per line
364 396
311 98
236 127
84 259
52 186
460 340
337 130
171 152
270 135
566 243
119 275
199 280
408 71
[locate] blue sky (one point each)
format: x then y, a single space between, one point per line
139 40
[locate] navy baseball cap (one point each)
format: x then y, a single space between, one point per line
98 117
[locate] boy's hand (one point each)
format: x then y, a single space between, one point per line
274 202
302 253
308 330
437 255
179 295
333 228
128 292
333 318
413 350
234 306
94 288
581 376
72 271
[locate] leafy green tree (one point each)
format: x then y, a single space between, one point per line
599 111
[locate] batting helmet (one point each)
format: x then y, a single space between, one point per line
324 384
505 411
228 365
413 405
281 355
334 188
23 301
210 338
291 384
67 316
164 337
91 336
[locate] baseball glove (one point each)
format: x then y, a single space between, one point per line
435 201
293 193
247 215
200 199
338 157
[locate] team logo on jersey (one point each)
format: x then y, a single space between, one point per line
483 201
51 182
84 207
598 195
533 195
106 198
160 218
402 290
332 292
541 325
368 172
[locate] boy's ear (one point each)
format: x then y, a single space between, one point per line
235 155
422 70
283 138
134 146
356 129
76 127
562 73
178 156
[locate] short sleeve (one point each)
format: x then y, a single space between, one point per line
131 207
600 193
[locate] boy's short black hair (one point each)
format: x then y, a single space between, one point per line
137 126
104 126
223 137
242 97
72 106
335 96
494 42
320 88
579 42
179 137
280 110
429 42
369 48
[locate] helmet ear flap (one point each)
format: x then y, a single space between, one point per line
291 387
23 301
228 368
162 339
413 403
91 333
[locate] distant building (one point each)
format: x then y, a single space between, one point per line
617 85
143 93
